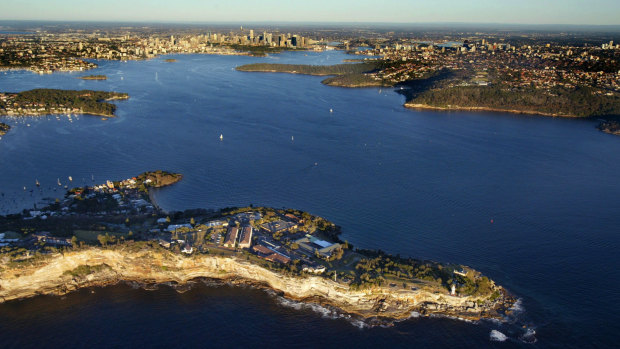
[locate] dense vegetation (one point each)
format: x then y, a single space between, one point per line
87 101
354 80
380 268
579 102
158 178
338 69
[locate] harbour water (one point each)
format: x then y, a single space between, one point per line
530 201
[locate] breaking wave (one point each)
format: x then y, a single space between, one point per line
324 311
497 336
518 308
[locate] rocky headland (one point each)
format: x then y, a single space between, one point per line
61 273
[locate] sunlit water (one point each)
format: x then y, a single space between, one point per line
533 202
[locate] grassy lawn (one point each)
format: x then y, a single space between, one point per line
91 235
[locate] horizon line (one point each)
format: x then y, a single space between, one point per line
276 22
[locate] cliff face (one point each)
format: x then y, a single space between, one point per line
60 274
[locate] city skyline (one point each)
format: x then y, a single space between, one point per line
553 12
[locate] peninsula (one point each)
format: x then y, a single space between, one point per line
93 77
447 89
52 101
342 75
113 232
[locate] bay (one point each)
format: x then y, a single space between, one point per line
530 201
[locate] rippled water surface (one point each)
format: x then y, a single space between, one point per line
533 202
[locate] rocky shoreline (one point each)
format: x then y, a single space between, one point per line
458 108
4 128
63 273
610 126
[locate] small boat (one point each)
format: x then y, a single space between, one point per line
331 110
221 137
37 183
24 188
70 179
292 138
58 180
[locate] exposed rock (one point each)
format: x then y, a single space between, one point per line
63 273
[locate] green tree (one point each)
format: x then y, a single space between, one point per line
103 239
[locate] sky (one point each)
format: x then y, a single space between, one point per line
577 12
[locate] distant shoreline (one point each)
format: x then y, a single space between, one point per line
499 110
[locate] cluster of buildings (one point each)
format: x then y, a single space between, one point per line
539 66
283 240
9 106
46 53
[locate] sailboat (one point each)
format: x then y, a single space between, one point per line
221 137
58 180
37 183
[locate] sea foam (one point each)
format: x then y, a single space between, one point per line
497 336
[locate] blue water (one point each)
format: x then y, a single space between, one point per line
533 202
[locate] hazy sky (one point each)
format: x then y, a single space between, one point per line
605 12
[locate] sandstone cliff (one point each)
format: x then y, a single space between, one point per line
62 273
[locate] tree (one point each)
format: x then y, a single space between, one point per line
103 239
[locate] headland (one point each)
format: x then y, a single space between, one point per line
112 232
54 101
94 77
